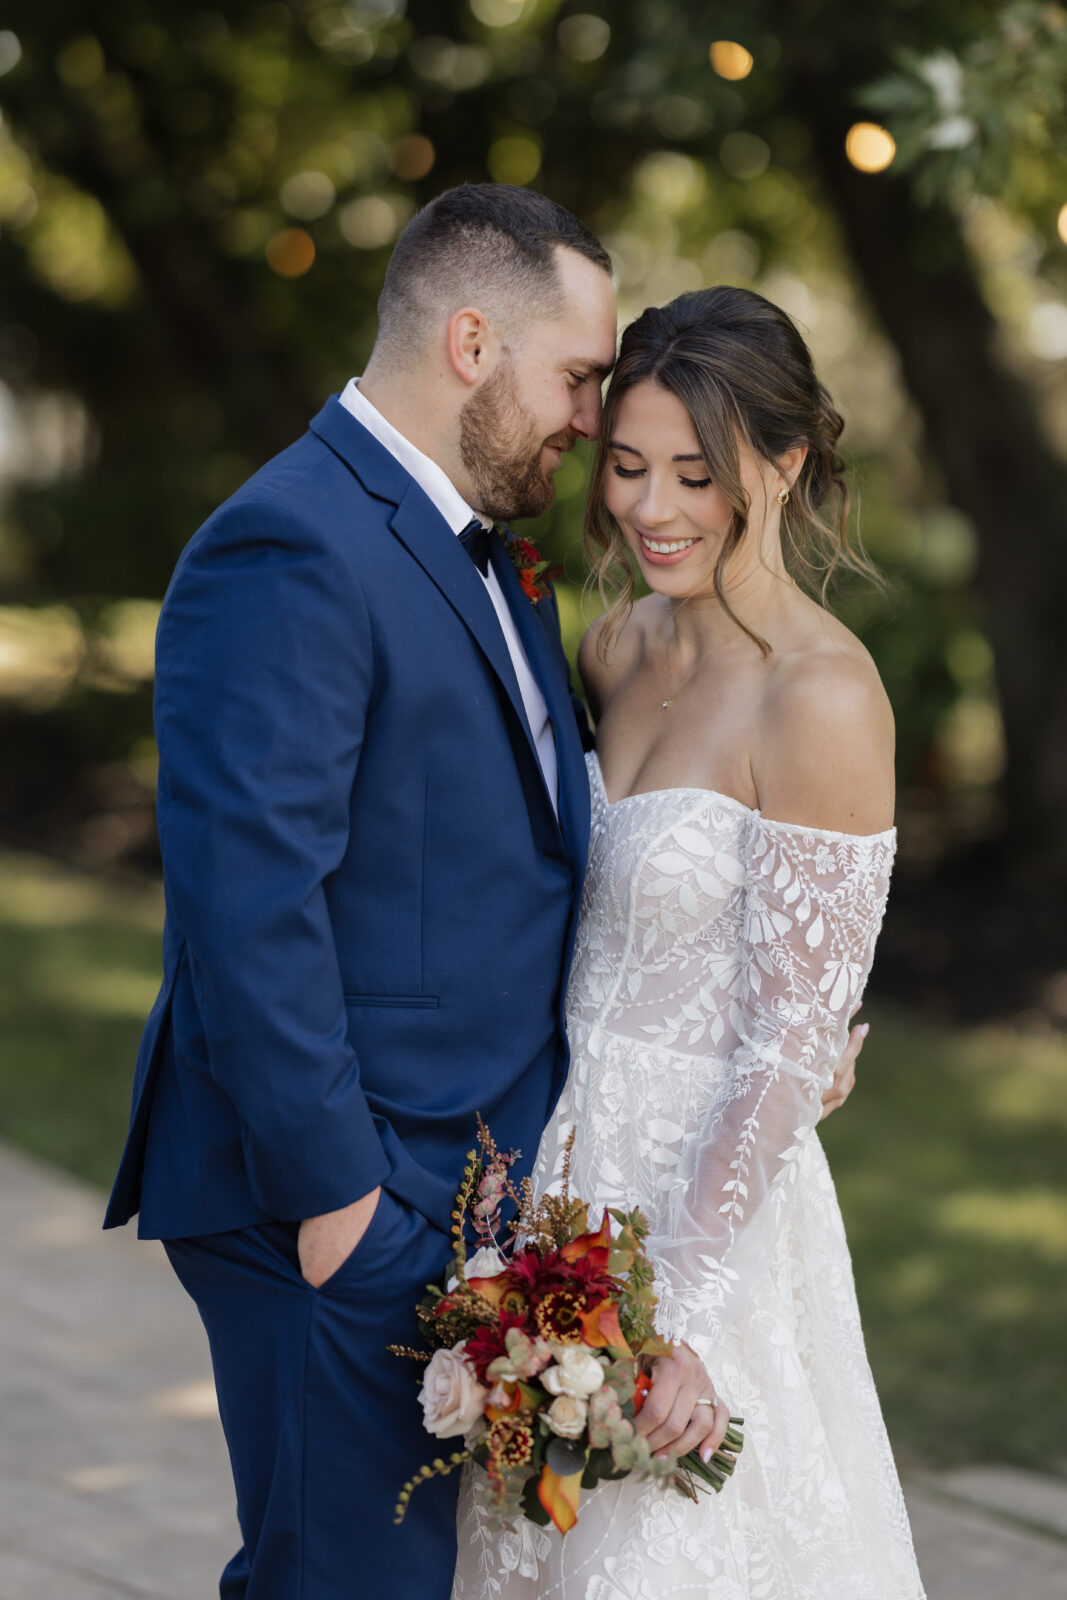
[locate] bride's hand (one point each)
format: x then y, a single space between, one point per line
845 1071
682 1411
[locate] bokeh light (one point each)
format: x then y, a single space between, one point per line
80 62
670 183
1046 331
290 253
245 231
413 157
307 195
584 37
498 13
1061 225
453 66
730 60
374 220
869 147
10 51
516 158
744 155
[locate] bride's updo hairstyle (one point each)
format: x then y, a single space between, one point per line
743 372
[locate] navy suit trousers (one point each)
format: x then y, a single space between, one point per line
322 1423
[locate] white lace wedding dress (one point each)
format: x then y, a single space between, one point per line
719 957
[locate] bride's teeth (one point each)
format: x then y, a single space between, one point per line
658 548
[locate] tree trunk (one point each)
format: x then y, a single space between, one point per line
983 431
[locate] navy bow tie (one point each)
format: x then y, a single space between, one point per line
476 540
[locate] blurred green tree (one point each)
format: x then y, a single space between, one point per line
197 203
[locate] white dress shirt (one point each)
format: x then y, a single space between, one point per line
439 488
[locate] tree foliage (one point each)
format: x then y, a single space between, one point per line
197 204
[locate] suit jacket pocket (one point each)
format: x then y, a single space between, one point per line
412 1002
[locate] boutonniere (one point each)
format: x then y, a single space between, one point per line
535 573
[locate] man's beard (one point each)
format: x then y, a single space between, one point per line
500 448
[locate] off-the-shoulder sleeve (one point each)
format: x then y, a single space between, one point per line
814 903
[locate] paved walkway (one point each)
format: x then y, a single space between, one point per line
113 1474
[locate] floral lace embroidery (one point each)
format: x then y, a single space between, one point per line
719 957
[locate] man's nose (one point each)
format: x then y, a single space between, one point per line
585 419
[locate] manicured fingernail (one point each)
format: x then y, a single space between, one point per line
865 1029
706 1454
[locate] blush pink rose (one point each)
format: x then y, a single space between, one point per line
452 1399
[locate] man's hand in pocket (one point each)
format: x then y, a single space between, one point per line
325 1243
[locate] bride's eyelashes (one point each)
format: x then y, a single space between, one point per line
638 472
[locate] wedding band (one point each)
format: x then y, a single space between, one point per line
711 1400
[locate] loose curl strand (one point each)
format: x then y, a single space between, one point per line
743 372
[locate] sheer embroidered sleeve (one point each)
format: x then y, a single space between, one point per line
813 905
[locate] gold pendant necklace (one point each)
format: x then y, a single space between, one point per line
666 702
668 699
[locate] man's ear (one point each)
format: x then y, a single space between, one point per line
471 344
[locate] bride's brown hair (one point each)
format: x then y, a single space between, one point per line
743 372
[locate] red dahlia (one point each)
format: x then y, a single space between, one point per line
537 1276
591 1277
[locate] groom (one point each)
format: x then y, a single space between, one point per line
374 816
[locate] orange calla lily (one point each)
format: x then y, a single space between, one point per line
491 1289
601 1330
586 1243
559 1496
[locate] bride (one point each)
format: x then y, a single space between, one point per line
739 864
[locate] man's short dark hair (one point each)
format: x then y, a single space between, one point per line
490 243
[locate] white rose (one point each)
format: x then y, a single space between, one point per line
566 1416
484 1263
452 1399
577 1372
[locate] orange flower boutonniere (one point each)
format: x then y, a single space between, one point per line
535 573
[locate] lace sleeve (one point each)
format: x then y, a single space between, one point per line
813 907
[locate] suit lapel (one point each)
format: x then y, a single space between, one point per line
425 534
550 669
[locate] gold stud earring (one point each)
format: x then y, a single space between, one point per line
783 496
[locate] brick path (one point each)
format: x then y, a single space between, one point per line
113 1474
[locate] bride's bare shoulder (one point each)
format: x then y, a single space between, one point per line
605 663
824 751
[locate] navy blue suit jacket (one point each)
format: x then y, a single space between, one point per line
370 902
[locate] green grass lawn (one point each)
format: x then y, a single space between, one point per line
79 969
949 1160
950 1164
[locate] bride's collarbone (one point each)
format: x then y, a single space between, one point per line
646 747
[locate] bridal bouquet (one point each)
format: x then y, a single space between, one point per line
539 1347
